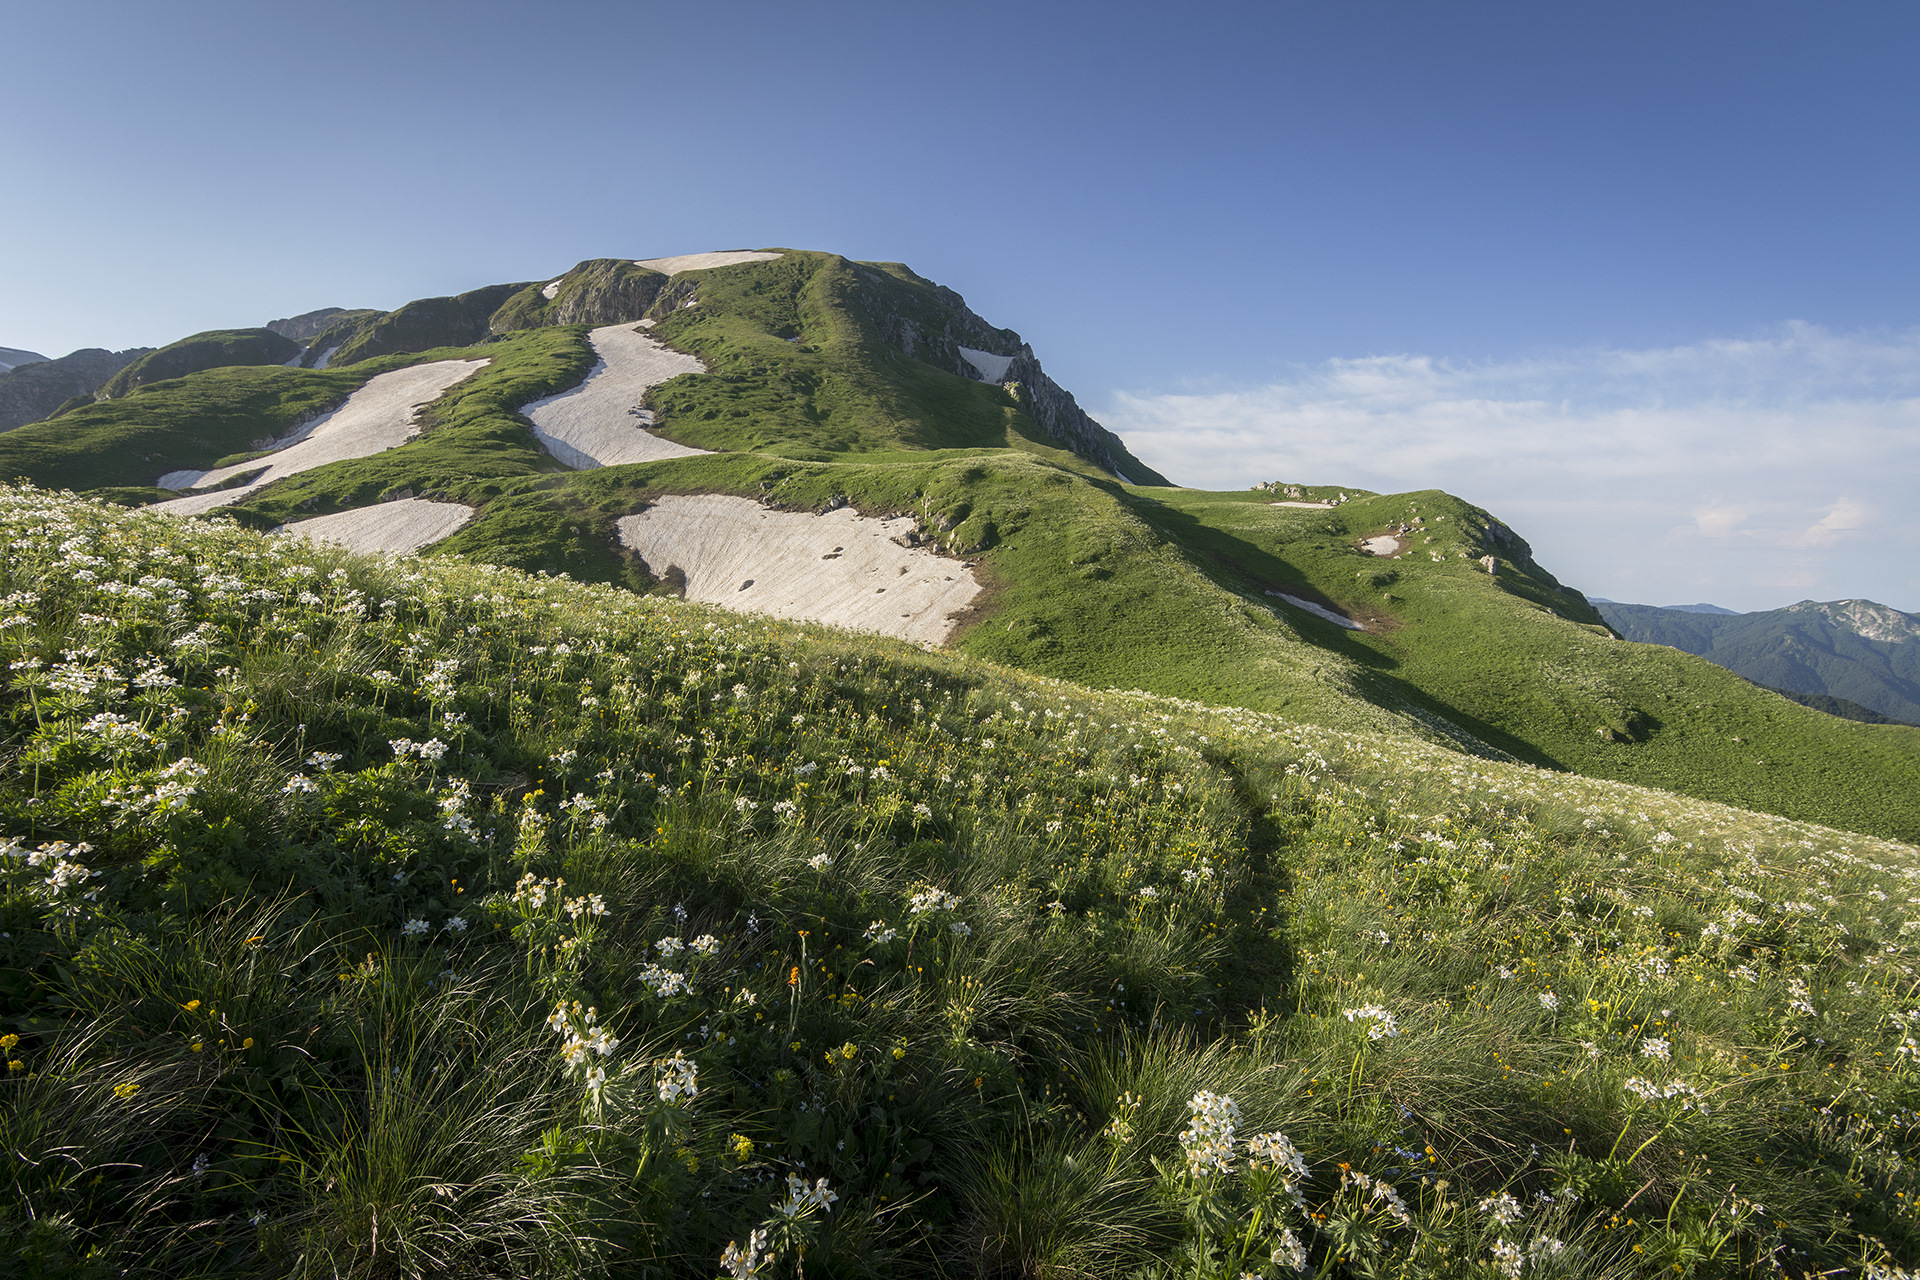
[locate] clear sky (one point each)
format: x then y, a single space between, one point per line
1639 277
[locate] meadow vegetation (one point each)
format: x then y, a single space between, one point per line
370 918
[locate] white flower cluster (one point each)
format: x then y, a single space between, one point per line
745 1264
586 905
1208 1137
879 933
664 983
1290 1253
1502 1208
677 1077
1384 1025
59 865
931 899
1277 1151
802 1199
1648 1091
1379 1192
430 751
452 804
584 1037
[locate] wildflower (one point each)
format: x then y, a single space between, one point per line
1502 1208
1276 1151
742 1147
930 899
818 862
744 1264
679 1078
1384 1025
1549 1001
802 1199
1507 1258
878 933
704 945
1208 1137
961 929
664 983
1290 1252
1656 1048
125 1090
455 924
413 928
300 784
670 946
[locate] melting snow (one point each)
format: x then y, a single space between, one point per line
1318 611
401 528
840 568
705 261
600 423
377 417
991 368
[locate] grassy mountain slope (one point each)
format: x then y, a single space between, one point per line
198 420
36 391
215 349
1853 649
829 379
370 918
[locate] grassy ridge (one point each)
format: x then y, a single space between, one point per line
195 421
384 918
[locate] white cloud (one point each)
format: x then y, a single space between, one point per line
1730 470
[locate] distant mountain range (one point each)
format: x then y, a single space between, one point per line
13 357
1821 655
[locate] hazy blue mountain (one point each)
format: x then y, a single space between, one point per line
1703 608
13 357
1854 650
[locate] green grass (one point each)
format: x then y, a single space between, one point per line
217 348
250 1037
195 421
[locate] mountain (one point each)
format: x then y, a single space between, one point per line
1702 608
34 392
215 349
1854 650
12 358
304 327
791 431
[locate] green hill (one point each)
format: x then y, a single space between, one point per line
215 349
833 382
405 917
1854 650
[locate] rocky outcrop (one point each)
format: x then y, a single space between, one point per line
600 291
430 323
932 323
36 391
214 349
308 325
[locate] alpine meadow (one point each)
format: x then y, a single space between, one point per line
718 766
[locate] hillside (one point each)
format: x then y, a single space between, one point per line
33 392
13 357
416 917
1856 650
800 382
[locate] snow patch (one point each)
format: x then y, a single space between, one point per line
705 261
840 568
600 423
551 289
1318 611
326 357
377 417
1384 545
990 367
179 481
399 528
1317 506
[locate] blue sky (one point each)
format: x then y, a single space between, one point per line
1639 277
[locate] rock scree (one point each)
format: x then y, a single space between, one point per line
841 568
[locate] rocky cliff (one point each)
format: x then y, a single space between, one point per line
35 391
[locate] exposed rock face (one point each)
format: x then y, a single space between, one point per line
937 333
215 349
35 391
458 321
12 358
600 291
308 325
